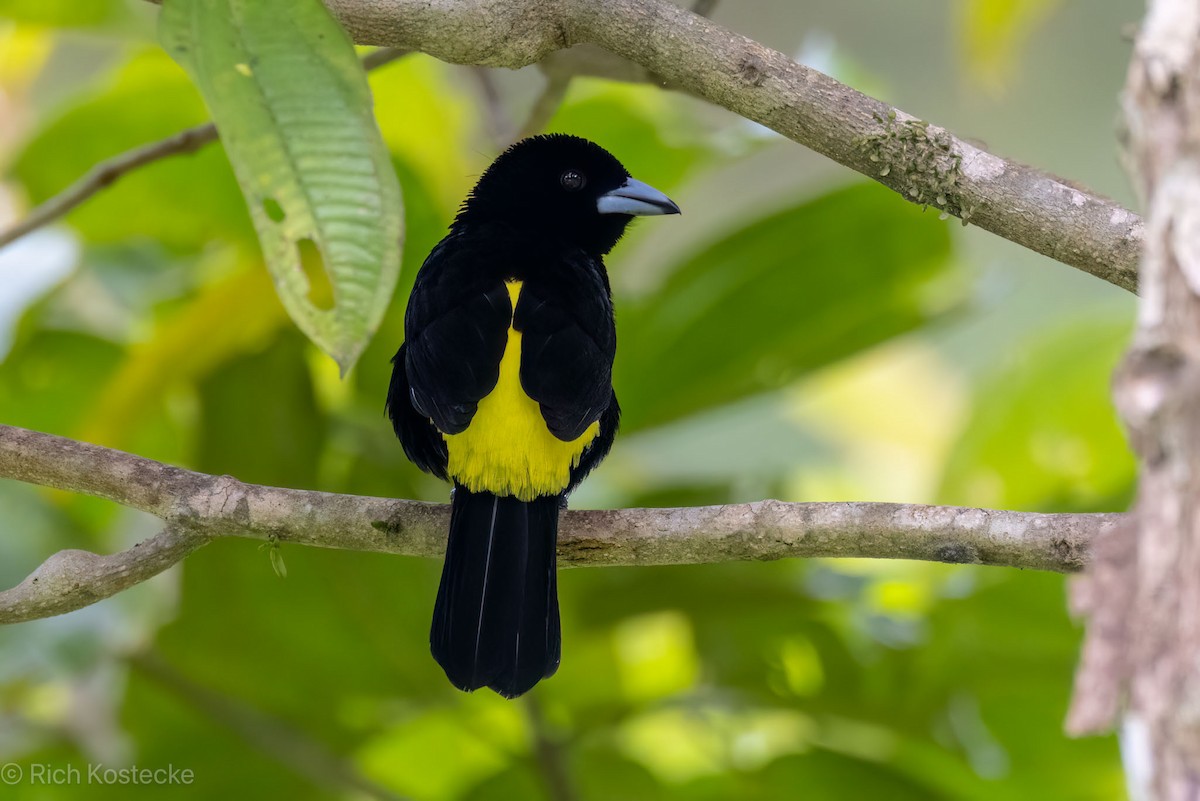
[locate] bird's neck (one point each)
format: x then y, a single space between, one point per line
595 239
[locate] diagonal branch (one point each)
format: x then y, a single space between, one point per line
107 172
682 50
197 508
285 743
73 579
658 41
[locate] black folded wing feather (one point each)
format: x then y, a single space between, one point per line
422 443
454 361
567 346
456 330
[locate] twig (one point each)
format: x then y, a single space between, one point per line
496 120
383 56
107 172
287 746
73 579
551 753
547 103
199 507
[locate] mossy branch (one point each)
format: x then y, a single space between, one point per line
657 41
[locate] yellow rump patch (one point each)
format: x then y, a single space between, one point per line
507 449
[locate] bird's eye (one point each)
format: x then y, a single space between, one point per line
572 180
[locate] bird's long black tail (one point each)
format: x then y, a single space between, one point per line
495 622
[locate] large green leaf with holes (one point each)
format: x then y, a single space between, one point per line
294 112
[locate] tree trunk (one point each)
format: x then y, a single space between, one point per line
1141 660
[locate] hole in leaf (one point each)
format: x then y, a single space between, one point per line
273 209
320 289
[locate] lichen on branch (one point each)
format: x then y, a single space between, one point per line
657 41
925 161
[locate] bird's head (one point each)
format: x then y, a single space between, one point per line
563 187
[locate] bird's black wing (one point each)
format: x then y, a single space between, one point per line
422 442
456 329
599 447
568 341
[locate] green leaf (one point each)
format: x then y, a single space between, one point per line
186 347
294 112
784 295
48 379
827 775
273 438
277 563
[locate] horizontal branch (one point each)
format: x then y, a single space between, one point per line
682 50
198 508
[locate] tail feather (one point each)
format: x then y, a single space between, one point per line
495 622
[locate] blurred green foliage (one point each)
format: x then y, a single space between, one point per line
784 295
1020 452
68 14
991 35
762 357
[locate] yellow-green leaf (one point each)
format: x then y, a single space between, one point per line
294 111
183 349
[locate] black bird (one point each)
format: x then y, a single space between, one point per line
504 386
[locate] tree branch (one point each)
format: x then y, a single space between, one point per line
550 752
1141 596
198 508
680 49
547 102
658 41
107 172
287 745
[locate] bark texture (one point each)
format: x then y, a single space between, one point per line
1141 660
198 508
658 41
